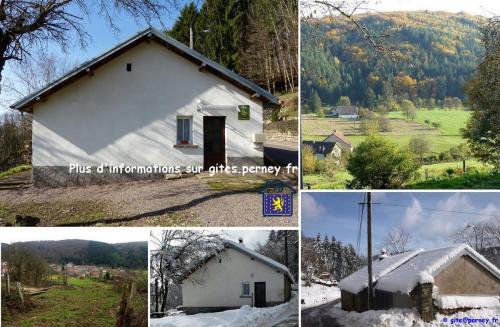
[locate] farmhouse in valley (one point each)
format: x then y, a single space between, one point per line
233 277
323 150
346 112
151 100
339 138
441 280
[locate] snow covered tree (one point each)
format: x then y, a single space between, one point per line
283 246
177 253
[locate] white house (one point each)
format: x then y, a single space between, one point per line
347 112
234 277
149 101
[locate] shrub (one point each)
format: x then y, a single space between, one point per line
309 161
379 164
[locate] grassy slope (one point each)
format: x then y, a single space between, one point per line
441 139
89 303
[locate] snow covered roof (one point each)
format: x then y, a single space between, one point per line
467 301
149 33
259 257
423 267
357 281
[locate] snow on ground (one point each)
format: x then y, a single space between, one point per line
409 317
317 294
245 316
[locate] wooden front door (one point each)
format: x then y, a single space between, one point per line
260 294
214 141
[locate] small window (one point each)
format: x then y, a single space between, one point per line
129 67
245 289
184 130
220 260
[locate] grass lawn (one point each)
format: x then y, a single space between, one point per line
480 178
14 170
83 303
402 130
451 120
324 182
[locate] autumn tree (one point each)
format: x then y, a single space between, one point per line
409 109
344 101
308 160
27 24
483 128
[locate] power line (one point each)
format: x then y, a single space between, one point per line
439 210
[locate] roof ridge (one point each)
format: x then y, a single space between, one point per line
81 69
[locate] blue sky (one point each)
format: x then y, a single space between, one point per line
103 37
336 213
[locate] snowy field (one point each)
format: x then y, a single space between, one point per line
407 317
316 294
245 316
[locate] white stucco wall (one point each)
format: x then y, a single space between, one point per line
219 284
117 116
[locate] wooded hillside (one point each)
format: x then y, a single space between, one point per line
82 252
434 54
256 38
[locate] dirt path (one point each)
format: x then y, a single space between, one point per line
191 201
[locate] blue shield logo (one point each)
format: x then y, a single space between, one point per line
277 199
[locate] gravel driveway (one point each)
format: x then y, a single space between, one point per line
190 201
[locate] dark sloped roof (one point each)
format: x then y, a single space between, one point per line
166 41
340 136
320 147
346 110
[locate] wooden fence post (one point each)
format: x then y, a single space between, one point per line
20 291
125 311
8 284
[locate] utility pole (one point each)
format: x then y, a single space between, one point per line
371 298
190 37
286 248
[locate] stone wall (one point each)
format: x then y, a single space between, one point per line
466 276
425 305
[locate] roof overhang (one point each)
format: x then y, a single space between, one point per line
88 68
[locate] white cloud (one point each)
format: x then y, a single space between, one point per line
413 214
435 228
311 209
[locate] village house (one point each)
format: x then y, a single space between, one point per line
346 112
323 150
234 277
441 280
339 138
149 101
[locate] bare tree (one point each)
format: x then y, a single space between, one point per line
479 236
28 76
349 9
177 254
397 241
28 23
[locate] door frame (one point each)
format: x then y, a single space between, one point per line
255 293
224 138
